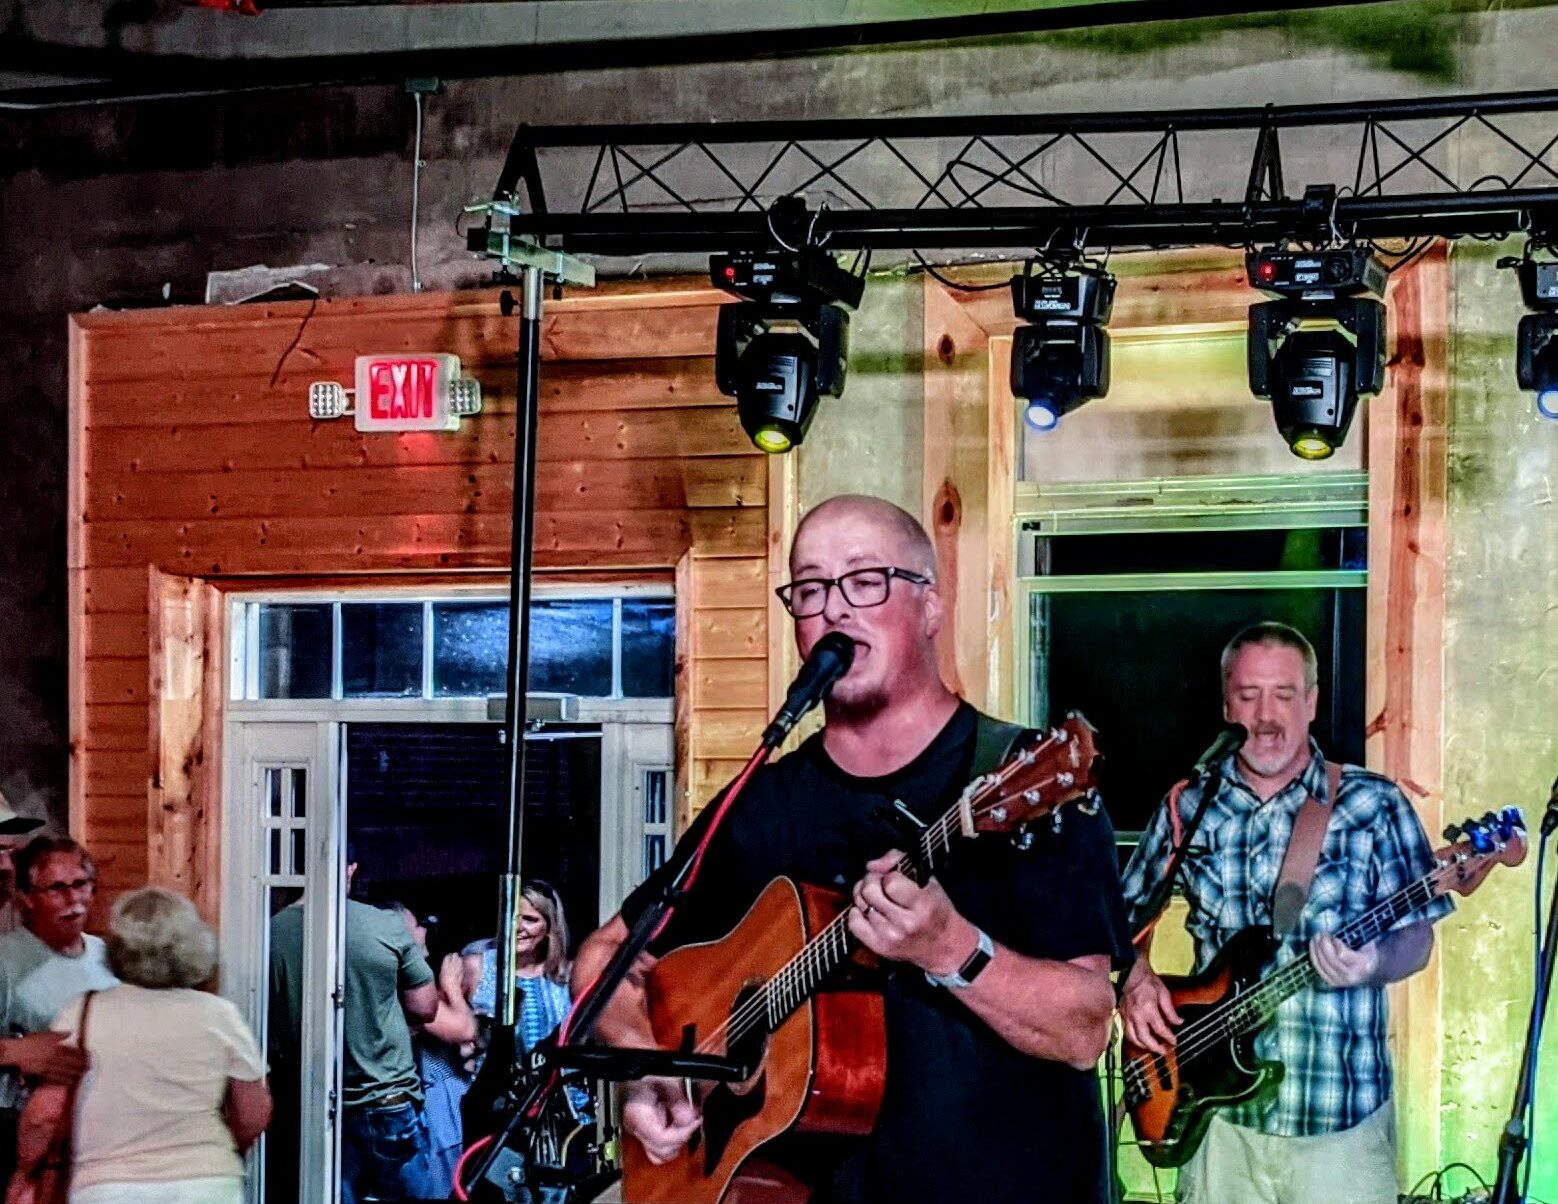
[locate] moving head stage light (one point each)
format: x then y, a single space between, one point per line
1060 359
785 346
1321 345
1536 343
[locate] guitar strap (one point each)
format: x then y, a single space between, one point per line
1298 863
994 740
1303 854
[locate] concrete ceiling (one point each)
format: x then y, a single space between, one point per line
90 51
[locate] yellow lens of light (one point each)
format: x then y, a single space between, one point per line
1311 447
771 440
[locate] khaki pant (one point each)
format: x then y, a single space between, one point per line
1236 1165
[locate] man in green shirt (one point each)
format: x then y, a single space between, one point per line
388 989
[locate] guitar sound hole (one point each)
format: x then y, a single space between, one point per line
748 1030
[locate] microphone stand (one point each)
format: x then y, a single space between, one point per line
545 1066
1228 741
1514 1141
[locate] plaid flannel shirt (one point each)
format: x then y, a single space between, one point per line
1332 1042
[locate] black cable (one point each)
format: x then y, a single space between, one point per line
953 284
296 339
1537 1022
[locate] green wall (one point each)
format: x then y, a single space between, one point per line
1501 684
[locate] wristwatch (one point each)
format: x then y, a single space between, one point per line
965 974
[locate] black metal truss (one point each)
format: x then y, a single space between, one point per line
1465 165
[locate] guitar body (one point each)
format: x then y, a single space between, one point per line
821 1071
1171 1105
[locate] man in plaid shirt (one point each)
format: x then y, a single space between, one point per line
1330 1134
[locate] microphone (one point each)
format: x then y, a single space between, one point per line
830 659
1230 740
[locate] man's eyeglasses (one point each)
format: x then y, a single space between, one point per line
74 887
861 587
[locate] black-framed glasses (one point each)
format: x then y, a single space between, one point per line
860 587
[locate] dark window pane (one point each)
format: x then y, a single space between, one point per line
654 796
273 792
299 793
470 649
648 648
295 645
1154 692
381 650
570 647
1302 550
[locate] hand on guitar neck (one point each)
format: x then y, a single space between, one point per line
1147 1008
902 921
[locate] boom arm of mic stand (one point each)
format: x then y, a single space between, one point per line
582 1023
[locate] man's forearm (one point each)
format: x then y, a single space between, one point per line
625 1020
1056 1010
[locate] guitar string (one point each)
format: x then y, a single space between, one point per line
819 955
1260 1004
814 956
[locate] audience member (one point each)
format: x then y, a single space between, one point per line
44 965
441 1047
12 828
389 989
176 1088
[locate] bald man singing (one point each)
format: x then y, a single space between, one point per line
997 999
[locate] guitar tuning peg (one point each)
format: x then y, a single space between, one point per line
1090 804
1452 833
1023 840
1490 818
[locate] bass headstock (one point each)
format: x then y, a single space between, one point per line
1478 845
1052 770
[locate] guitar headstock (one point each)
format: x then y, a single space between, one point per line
1054 769
1479 845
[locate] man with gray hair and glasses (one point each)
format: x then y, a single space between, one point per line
1329 1132
45 964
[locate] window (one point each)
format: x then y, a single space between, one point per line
606 647
1123 617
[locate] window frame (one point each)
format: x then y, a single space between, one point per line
244 642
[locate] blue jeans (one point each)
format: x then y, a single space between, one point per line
377 1149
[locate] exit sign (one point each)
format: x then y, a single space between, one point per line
407 392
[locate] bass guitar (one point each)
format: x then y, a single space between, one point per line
774 996
1172 1096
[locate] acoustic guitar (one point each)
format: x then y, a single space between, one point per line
777 996
1172 1097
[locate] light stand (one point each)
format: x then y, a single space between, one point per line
536 266
1514 1141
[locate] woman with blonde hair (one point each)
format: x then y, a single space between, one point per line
541 965
175 1089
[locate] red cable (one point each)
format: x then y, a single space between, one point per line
731 795
459 1167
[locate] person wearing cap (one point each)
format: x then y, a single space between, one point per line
45 964
12 828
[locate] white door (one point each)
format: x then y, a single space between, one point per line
637 806
284 828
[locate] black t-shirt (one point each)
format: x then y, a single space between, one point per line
964 1114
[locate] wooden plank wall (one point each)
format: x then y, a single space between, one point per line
195 470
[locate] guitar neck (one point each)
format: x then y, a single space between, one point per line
1300 973
831 947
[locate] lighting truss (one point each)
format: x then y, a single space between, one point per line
1465 165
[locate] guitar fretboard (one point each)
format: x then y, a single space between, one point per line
831 947
1258 1006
